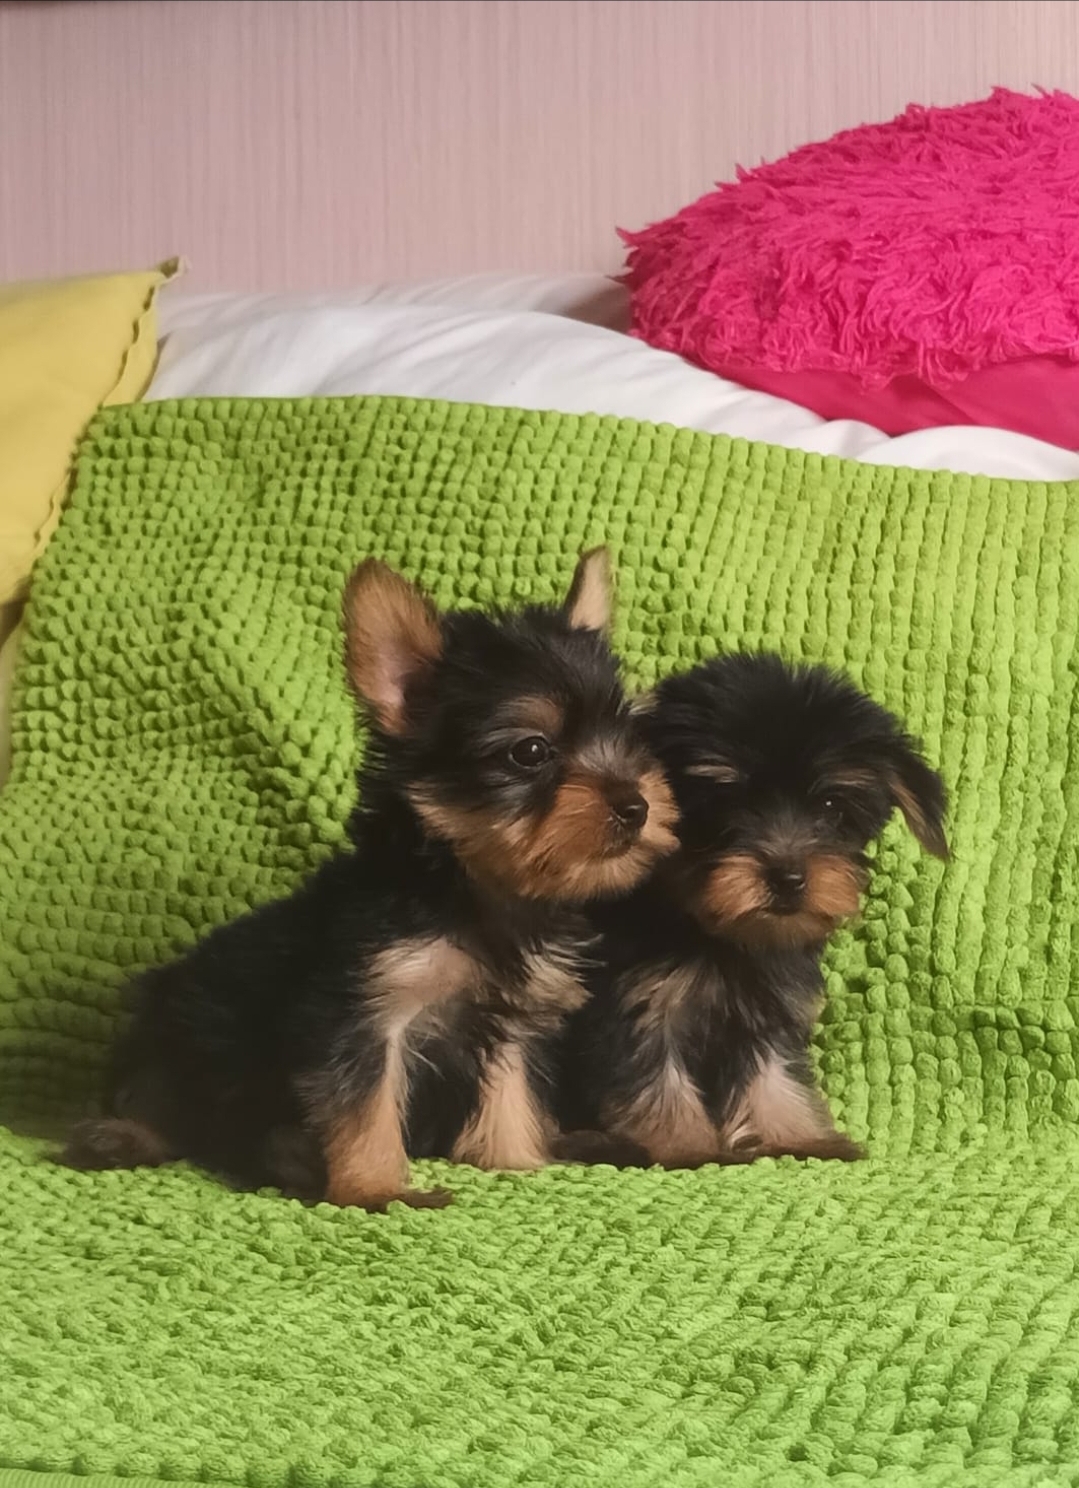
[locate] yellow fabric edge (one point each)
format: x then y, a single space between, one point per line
10 634
133 380
129 386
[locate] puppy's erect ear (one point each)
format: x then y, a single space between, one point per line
588 603
919 793
393 636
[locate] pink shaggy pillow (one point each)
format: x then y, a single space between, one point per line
915 273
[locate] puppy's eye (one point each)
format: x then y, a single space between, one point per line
529 754
832 809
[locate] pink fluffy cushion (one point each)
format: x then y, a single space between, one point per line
915 273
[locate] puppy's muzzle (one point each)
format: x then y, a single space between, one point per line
786 883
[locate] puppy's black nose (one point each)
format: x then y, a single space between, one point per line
631 810
787 882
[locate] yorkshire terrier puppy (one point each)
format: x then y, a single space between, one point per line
694 1047
405 1000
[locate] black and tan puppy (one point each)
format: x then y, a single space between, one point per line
694 1047
405 999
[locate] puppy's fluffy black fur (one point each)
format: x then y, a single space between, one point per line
694 1047
405 999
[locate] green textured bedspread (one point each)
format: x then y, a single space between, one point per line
183 748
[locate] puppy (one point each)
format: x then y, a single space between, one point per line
405 999
694 1048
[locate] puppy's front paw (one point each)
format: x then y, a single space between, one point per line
832 1147
378 1203
840 1147
426 1198
596 1147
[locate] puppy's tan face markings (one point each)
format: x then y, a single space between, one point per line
547 793
785 884
736 898
733 891
581 840
568 852
834 887
587 840
531 716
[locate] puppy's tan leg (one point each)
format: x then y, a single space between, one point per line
668 1120
366 1162
507 1130
780 1116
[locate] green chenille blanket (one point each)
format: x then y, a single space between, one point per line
184 748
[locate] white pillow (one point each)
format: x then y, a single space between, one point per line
416 341
594 298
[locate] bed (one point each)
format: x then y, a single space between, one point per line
531 341
183 748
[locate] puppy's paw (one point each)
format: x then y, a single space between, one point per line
426 1198
113 1142
294 1163
378 1203
841 1148
596 1147
834 1147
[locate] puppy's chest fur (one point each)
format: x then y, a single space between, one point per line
717 1014
424 985
469 1016
715 995
706 1043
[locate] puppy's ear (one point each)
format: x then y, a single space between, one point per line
393 636
919 793
588 603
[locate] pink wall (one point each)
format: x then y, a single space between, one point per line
325 142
